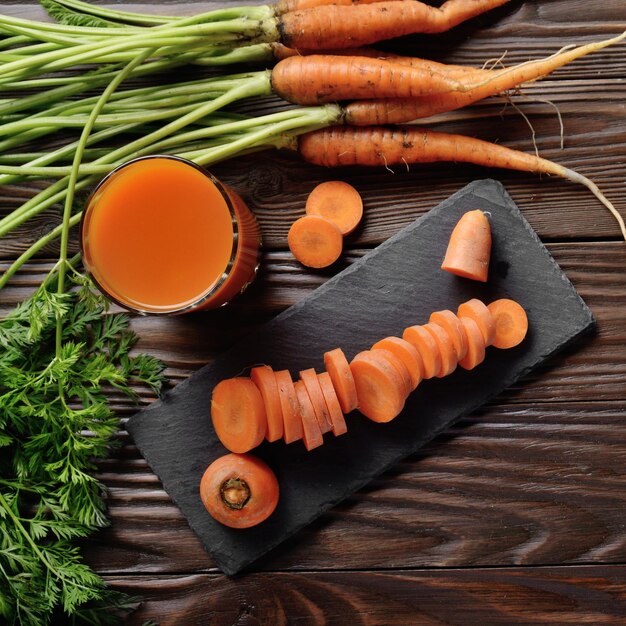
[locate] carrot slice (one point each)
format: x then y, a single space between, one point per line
312 434
338 422
238 414
479 312
379 387
452 325
338 202
315 241
510 321
265 379
426 345
475 344
469 248
339 370
239 490
292 424
397 364
407 353
312 385
446 349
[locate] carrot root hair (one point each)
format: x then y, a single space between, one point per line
376 146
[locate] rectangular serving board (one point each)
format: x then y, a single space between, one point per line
396 285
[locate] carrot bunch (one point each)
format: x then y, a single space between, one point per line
270 406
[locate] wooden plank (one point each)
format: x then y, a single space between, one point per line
276 187
517 485
525 597
596 269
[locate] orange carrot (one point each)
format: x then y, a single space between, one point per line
479 85
510 321
328 27
469 248
338 422
379 387
292 423
322 78
452 325
238 414
337 202
338 368
475 344
478 311
312 386
427 347
314 241
397 364
449 69
373 145
239 490
265 379
445 345
312 433
407 353
289 6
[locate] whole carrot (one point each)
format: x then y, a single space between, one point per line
289 6
376 145
490 83
322 78
326 27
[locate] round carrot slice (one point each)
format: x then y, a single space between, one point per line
446 349
426 345
238 414
397 364
475 344
292 424
452 325
379 387
265 379
338 202
339 370
315 241
510 321
312 385
239 490
407 353
479 312
312 433
332 403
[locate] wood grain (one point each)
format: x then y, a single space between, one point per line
516 484
504 510
596 270
565 596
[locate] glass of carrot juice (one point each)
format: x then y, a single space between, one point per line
161 235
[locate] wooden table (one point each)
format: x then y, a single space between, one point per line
517 514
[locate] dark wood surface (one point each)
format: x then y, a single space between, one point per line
516 515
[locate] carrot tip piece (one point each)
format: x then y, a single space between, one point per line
469 248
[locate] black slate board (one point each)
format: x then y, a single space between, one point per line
396 285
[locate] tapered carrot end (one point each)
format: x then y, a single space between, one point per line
469 248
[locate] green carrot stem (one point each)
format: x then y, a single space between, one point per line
73 179
35 248
65 151
259 85
116 15
233 31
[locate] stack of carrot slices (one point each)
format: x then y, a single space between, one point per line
271 406
333 210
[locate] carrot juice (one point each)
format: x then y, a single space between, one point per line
161 235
